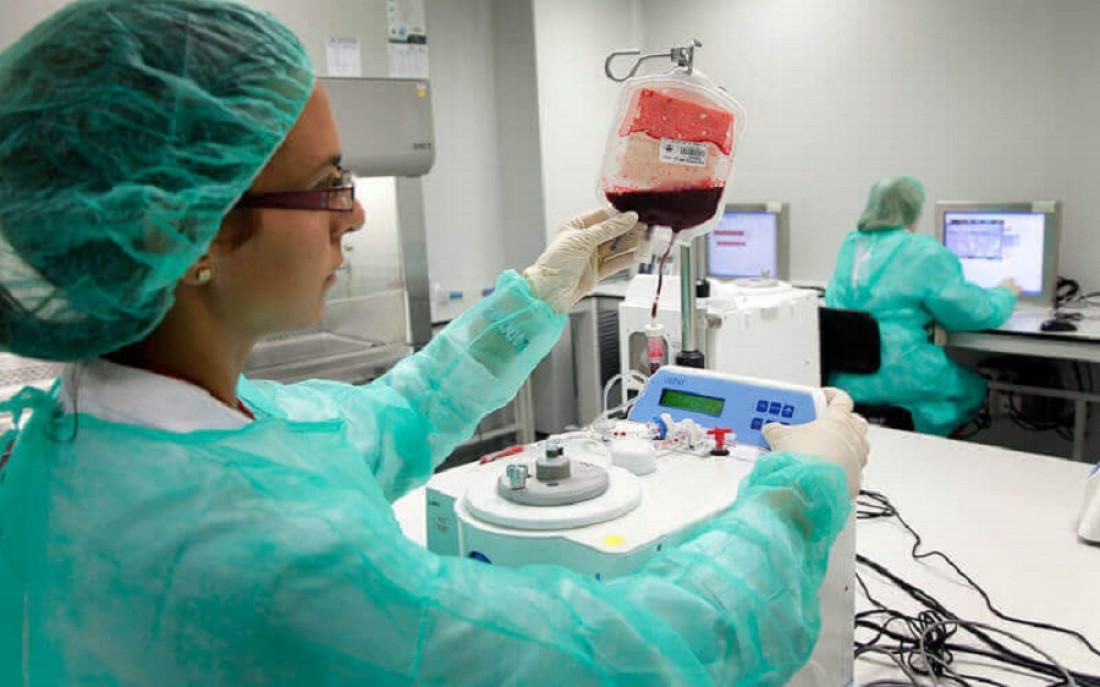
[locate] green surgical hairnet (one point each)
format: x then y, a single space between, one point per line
127 131
894 202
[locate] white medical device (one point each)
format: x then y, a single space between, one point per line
756 327
1089 529
611 521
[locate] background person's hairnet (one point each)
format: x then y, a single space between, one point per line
894 202
127 132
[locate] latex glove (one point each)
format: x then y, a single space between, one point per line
839 436
588 248
1011 285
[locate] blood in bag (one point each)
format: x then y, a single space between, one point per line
672 149
677 210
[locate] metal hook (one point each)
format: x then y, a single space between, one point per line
683 57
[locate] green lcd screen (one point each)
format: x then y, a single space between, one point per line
707 405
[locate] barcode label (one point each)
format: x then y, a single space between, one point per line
683 153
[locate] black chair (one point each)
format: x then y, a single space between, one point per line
850 342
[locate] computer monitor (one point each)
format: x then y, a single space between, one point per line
751 240
997 241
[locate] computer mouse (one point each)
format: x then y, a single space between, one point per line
1058 326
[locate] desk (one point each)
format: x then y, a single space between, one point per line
1021 336
1007 518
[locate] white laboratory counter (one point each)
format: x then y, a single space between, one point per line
1008 519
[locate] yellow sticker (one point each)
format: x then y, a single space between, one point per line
614 540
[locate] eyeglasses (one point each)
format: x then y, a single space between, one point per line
337 197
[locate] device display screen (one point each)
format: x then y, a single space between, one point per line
682 400
994 246
744 244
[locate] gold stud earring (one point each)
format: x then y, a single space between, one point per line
203 275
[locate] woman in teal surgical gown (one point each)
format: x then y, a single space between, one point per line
170 191
910 282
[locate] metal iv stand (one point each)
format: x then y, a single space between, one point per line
690 354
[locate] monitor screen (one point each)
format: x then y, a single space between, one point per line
994 246
744 244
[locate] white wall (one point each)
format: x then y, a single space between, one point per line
984 99
1075 135
576 100
462 193
314 22
517 107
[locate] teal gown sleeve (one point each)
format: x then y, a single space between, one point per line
735 605
959 305
415 415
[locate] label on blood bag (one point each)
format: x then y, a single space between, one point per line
683 153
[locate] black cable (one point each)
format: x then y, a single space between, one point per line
1020 418
882 498
1066 290
939 647
981 422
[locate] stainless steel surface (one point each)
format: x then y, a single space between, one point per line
414 251
517 476
687 300
683 57
555 388
385 125
17 372
525 413
322 355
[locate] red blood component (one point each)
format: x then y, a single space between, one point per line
662 116
510 451
680 209
655 350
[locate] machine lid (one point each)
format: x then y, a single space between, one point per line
485 502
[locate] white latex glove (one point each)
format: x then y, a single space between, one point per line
839 436
588 248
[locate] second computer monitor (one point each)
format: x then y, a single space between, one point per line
751 240
999 241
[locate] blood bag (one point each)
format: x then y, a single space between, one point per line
671 150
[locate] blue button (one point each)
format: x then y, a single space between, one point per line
761 406
775 408
478 556
788 411
757 422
